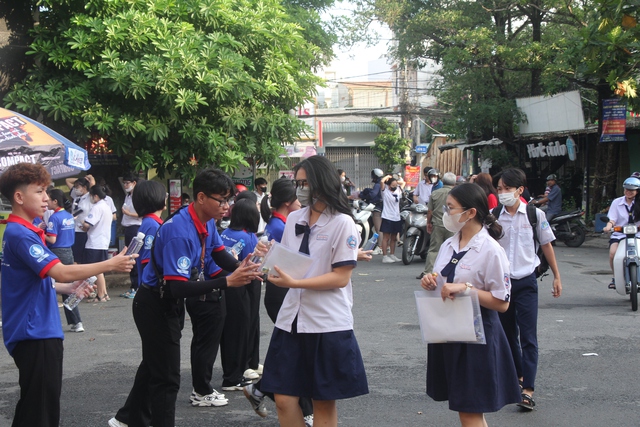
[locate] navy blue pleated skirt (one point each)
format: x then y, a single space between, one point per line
474 378
326 366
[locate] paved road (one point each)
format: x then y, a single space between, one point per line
572 389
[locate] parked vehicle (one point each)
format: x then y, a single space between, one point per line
362 215
415 239
626 262
569 227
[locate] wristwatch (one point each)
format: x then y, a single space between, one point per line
469 286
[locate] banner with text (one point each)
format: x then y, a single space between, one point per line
614 120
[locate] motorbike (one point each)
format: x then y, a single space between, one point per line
569 227
626 262
415 238
362 215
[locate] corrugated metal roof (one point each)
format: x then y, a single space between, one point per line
349 127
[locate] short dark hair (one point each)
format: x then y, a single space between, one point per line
57 195
84 182
246 194
97 190
260 181
22 175
245 216
512 177
324 183
213 181
184 197
282 191
149 197
131 177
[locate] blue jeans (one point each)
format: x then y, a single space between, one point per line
520 324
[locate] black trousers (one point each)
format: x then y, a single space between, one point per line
155 389
207 323
129 233
66 257
235 335
39 365
254 289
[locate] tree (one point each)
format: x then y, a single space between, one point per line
171 83
389 147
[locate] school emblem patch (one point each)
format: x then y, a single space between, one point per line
184 265
544 225
148 241
38 252
352 242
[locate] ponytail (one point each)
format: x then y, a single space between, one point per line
265 208
493 226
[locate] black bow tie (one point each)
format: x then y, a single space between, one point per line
306 230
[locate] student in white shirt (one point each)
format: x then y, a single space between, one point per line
98 227
80 210
520 320
624 210
131 224
314 327
391 221
475 379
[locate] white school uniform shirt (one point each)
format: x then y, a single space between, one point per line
333 242
620 216
485 265
128 221
109 201
391 204
423 191
85 204
518 241
99 235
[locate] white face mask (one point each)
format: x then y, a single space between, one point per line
128 189
434 180
507 199
304 196
451 222
343 179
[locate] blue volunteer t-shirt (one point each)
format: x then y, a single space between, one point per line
178 247
231 237
275 227
62 225
149 227
29 306
555 200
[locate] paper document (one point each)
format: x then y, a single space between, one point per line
450 320
294 263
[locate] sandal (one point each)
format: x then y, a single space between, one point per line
612 285
527 402
106 297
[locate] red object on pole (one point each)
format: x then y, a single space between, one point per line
319 134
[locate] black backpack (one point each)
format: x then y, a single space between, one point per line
543 267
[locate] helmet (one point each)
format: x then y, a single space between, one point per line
376 174
240 188
552 177
433 171
631 183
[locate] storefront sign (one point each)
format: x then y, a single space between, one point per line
552 149
614 120
175 195
412 176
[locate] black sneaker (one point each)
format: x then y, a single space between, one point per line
237 387
420 276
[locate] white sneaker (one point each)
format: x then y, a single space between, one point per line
308 421
258 370
212 399
251 374
377 251
386 259
77 327
395 258
115 423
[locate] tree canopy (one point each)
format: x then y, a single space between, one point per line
170 83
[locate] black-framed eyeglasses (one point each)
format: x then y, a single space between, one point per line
300 183
222 202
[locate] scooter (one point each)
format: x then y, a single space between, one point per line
626 262
362 215
415 239
569 227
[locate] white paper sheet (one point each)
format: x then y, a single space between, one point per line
445 321
294 263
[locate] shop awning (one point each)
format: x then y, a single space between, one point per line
464 144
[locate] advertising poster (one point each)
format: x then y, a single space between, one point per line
412 176
614 120
175 191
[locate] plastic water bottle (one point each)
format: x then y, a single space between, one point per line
236 249
136 244
75 298
263 239
371 243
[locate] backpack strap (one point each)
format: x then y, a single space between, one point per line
533 220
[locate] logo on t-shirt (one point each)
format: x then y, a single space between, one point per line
352 242
545 225
38 252
148 241
184 264
67 222
50 224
